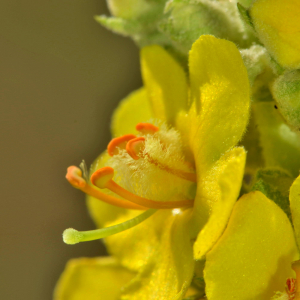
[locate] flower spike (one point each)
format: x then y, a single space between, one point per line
74 176
72 236
102 178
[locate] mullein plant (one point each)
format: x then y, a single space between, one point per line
198 193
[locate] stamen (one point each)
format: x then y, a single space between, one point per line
119 143
146 128
179 173
72 236
135 147
74 176
102 178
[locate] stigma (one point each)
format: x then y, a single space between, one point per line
146 171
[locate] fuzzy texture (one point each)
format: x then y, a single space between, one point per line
286 92
163 151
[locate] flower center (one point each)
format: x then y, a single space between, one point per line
147 171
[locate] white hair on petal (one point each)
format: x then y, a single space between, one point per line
147 179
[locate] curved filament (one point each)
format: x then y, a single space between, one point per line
102 178
114 187
74 176
135 148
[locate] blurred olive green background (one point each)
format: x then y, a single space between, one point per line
61 76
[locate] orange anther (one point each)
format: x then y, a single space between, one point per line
120 143
74 176
146 128
135 147
102 176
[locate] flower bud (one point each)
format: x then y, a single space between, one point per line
187 20
135 18
128 9
286 91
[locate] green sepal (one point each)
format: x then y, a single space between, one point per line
118 25
275 185
245 3
244 13
141 27
255 160
280 145
186 20
198 279
286 91
143 34
194 297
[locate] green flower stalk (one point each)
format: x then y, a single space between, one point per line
197 195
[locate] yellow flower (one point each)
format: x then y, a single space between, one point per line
183 165
92 279
277 25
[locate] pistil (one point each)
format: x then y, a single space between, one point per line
72 236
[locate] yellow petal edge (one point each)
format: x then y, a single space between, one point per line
252 259
92 279
295 207
135 108
222 187
165 81
277 25
221 93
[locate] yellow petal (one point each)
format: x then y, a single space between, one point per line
134 109
277 25
295 207
92 279
165 82
220 91
252 259
216 196
100 211
134 247
169 272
